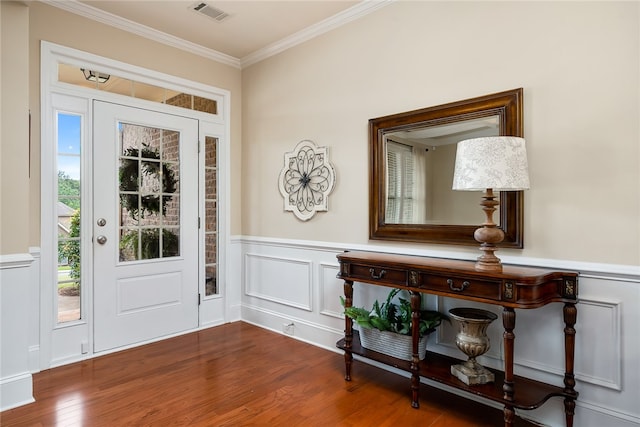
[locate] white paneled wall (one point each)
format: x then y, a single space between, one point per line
294 282
15 287
34 311
281 280
282 284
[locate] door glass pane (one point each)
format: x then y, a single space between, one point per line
211 215
68 281
170 242
205 105
149 174
129 243
171 210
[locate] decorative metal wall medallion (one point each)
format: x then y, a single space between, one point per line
306 180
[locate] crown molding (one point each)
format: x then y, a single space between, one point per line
357 11
110 19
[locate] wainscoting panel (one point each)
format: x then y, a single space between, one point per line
600 364
278 279
331 289
290 275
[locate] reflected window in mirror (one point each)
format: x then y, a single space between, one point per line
420 165
401 188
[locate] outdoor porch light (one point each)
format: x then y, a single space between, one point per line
486 164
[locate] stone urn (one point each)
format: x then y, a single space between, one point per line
472 340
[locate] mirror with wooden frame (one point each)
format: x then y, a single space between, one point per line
411 160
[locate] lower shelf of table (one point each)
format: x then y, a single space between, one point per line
529 394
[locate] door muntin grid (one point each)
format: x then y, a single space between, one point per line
149 192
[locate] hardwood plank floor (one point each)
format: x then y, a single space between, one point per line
235 375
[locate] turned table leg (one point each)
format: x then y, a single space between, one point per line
415 359
570 316
509 323
348 329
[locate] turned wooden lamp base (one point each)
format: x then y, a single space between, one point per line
488 235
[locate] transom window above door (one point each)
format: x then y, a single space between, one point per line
94 79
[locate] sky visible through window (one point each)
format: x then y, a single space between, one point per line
69 126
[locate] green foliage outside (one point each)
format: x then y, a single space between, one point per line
149 240
68 186
69 194
70 249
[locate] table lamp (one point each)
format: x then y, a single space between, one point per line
486 164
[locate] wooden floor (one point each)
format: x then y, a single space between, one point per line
235 375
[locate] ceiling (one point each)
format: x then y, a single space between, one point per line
253 29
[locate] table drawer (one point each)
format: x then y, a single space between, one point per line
383 275
460 286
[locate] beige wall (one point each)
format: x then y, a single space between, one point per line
14 124
57 26
577 62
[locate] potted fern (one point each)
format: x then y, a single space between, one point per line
386 328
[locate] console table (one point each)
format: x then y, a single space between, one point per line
514 287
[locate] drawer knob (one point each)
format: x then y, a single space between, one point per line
377 276
464 286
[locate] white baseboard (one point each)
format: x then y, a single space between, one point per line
16 391
234 313
302 330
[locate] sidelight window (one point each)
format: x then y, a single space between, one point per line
211 215
68 284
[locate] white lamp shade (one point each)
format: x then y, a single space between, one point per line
496 162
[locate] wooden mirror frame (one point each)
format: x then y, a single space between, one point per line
508 107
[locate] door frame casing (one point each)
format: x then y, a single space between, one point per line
65 343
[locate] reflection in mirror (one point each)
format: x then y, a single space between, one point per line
419 168
412 157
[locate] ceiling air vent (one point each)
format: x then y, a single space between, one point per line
210 11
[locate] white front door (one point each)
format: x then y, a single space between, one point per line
145 225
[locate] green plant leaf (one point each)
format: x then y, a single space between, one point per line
380 323
393 317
